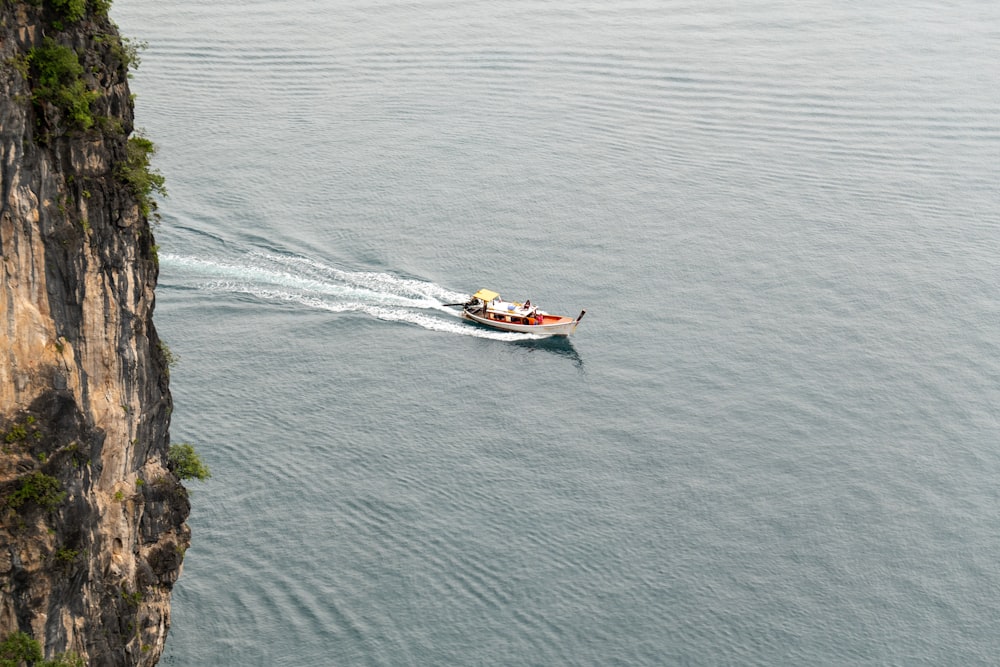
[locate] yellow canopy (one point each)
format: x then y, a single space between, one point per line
486 295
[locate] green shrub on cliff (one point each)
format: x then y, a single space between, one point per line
16 433
168 354
186 463
142 179
71 11
102 7
19 648
37 488
19 431
69 659
126 50
58 71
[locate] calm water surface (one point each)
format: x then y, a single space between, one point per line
774 438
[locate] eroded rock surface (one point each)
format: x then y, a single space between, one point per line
92 521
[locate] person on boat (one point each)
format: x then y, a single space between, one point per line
527 304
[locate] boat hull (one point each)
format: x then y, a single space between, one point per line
551 326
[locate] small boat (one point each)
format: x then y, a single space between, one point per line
486 307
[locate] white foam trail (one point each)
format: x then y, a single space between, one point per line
379 282
312 284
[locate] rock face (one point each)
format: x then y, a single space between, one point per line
92 530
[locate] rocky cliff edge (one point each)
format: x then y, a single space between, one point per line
92 520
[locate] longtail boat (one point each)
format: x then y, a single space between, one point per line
486 307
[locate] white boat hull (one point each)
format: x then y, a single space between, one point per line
560 326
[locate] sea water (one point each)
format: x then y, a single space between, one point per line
773 439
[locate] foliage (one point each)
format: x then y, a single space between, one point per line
59 74
168 354
38 488
133 599
70 10
17 648
67 555
186 463
21 64
102 7
17 432
109 125
126 50
69 659
20 648
142 179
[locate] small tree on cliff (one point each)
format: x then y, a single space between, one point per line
186 463
142 179
59 82
19 648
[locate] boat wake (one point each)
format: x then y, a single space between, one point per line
312 284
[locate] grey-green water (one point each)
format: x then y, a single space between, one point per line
774 438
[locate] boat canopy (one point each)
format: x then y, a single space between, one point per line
486 295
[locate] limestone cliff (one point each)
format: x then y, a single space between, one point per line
92 530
